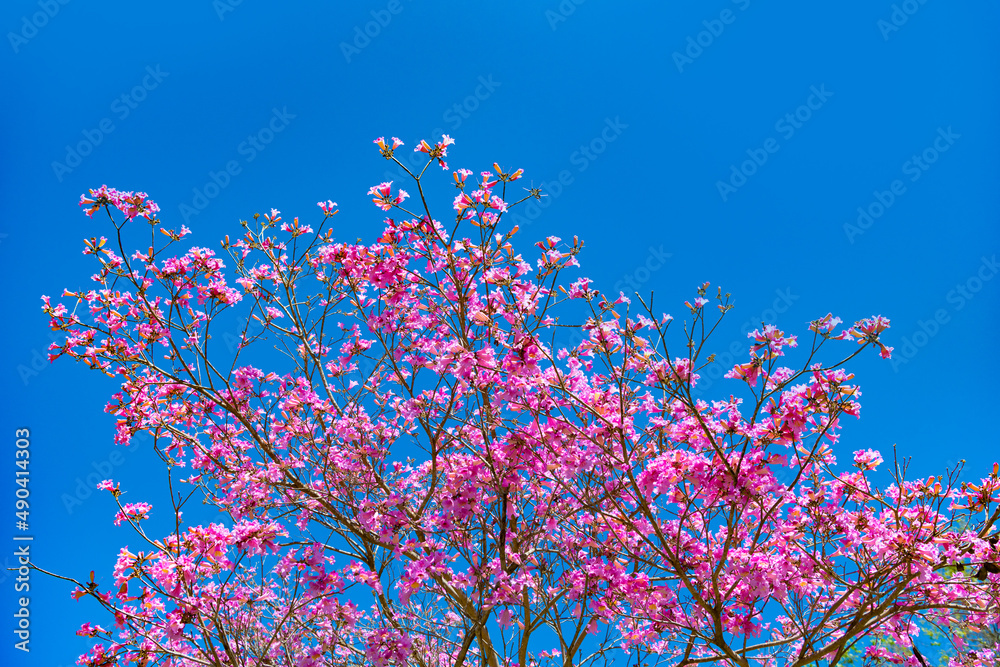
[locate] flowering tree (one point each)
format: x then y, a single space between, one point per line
936 644
429 477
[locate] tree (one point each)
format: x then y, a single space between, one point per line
937 643
426 475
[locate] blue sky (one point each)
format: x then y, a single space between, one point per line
823 157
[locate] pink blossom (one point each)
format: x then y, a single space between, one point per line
383 197
438 151
132 512
444 431
867 459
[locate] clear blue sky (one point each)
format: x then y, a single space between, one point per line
721 141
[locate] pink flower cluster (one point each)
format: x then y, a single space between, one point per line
133 512
383 196
131 204
432 472
438 151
